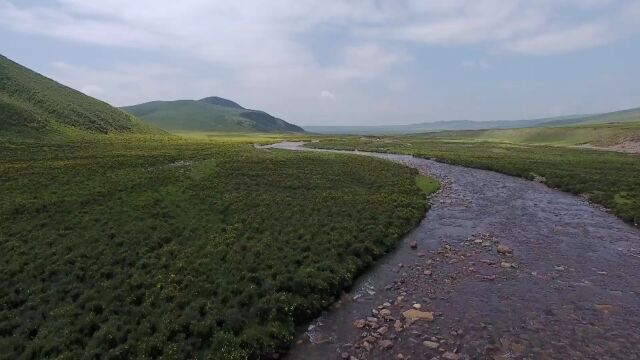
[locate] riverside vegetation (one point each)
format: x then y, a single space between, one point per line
604 177
130 246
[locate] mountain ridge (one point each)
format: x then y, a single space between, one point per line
628 115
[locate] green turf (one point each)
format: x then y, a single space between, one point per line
604 177
144 247
427 184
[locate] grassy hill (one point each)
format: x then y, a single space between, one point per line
209 114
624 116
623 136
32 104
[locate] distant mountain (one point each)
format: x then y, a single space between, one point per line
209 114
34 105
631 115
623 116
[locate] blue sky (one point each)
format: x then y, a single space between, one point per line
326 62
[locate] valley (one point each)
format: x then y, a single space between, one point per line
200 229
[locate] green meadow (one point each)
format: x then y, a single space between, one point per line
605 177
143 247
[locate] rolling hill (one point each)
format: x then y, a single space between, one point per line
208 114
624 116
34 105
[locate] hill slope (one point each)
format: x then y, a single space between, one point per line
32 104
624 116
208 114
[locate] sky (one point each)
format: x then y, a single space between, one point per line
349 62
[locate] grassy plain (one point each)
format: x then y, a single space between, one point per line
143 247
600 135
604 177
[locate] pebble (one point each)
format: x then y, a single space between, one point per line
417 306
413 314
386 344
431 344
414 244
504 249
359 323
383 330
450 356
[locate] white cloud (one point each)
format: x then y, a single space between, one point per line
254 33
476 64
271 54
365 61
585 36
128 84
326 94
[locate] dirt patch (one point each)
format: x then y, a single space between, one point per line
631 146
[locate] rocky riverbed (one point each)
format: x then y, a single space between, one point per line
500 268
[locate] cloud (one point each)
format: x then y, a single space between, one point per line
585 36
476 64
128 84
254 33
364 61
326 94
272 54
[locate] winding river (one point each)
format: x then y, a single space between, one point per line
564 285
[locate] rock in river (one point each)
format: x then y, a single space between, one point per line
413 314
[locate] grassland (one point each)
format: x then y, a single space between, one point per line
604 177
152 247
600 135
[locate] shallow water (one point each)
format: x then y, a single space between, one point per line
569 290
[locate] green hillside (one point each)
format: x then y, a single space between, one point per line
623 116
623 136
208 114
31 104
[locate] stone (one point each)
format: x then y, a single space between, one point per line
398 325
450 356
605 308
431 344
414 244
506 265
504 250
413 314
427 272
383 330
417 306
366 346
359 324
386 344
385 312
345 355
